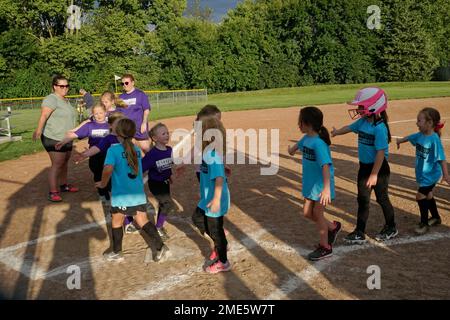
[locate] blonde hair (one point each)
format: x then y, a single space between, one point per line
115 116
98 105
214 123
152 131
126 129
114 98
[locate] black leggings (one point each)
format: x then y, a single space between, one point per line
381 192
96 165
214 228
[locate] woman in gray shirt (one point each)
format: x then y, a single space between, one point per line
57 117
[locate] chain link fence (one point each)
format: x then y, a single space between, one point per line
158 98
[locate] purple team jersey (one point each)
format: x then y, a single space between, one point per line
158 163
137 102
94 130
107 142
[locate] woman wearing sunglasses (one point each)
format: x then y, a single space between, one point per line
138 111
57 117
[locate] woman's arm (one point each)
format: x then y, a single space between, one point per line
45 114
145 121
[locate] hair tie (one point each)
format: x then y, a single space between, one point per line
439 126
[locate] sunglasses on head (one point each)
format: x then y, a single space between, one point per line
62 86
125 83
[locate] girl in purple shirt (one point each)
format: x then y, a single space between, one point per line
95 131
159 162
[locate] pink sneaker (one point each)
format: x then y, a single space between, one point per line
68 188
54 196
218 267
214 255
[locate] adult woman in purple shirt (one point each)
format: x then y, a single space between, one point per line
138 110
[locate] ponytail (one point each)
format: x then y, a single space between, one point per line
438 128
126 129
324 135
385 119
131 155
120 103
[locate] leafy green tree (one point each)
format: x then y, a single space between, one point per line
408 50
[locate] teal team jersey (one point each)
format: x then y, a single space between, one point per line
315 154
429 153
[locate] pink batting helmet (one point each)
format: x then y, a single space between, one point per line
373 99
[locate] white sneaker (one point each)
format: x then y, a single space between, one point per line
111 256
130 228
163 254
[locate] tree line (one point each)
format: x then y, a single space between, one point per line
260 44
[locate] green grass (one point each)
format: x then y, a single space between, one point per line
25 120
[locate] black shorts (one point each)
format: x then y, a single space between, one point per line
129 211
158 188
426 190
161 191
49 145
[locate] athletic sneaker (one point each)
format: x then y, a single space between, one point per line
130 228
163 233
54 197
386 233
218 267
112 256
332 235
356 237
434 222
68 188
148 255
213 258
320 253
422 228
162 254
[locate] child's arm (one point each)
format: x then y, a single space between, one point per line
80 125
400 141
214 205
325 197
106 175
92 151
293 149
337 132
445 176
70 135
373 178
